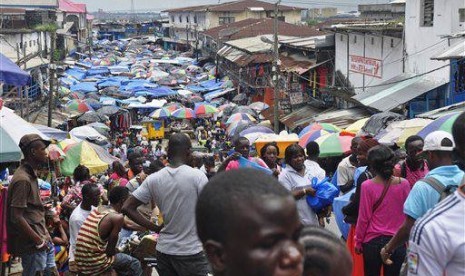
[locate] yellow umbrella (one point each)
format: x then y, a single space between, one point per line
82 153
357 126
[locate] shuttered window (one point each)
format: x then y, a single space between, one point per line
427 13
462 15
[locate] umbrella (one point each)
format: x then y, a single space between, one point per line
256 129
9 149
173 106
108 110
55 152
195 98
356 126
442 123
311 136
240 116
11 74
100 128
77 95
237 127
91 117
161 113
398 132
87 132
334 145
82 153
78 105
240 97
66 143
317 126
259 106
183 113
243 109
204 109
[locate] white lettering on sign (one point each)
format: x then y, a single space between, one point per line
367 66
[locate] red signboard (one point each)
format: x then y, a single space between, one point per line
367 66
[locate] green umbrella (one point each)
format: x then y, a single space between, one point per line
9 150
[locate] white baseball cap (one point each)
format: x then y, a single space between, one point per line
439 141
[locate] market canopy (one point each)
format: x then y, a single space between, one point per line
11 74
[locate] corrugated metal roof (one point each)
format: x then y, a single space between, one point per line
457 51
340 117
434 114
303 113
397 91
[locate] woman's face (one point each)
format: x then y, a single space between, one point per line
297 161
271 154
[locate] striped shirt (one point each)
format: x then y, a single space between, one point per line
437 241
90 255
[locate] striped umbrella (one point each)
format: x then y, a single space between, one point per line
161 113
240 117
78 105
82 153
334 144
442 123
173 106
205 109
311 136
183 113
317 126
356 126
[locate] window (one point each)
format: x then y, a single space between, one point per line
372 41
30 43
355 39
341 37
195 19
461 15
392 42
427 13
172 18
226 20
187 18
180 19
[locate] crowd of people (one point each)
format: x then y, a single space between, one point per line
236 212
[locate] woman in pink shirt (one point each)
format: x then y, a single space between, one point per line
119 177
380 213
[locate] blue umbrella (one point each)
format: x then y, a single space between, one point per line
256 129
11 74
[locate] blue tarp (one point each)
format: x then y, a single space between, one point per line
217 93
162 91
206 86
76 73
98 70
11 74
85 87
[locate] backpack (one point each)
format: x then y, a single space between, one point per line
443 191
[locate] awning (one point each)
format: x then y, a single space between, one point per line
436 113
397 91
300 116
457 51
66 28
341 117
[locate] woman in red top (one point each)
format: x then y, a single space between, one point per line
119 177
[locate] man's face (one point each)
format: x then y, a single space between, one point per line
354 146
243 147
136 165
39 152
95 197
265 242
413 150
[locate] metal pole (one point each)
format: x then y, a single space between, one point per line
276 70
52 71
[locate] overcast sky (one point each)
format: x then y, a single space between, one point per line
157 5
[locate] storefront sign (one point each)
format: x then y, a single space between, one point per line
367 66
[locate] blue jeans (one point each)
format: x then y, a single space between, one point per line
38 261
126 265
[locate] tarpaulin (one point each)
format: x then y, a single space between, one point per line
76 73
85 87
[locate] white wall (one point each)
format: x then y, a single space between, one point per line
424 42
390 57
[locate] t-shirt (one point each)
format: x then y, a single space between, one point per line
388 218
175 191
292 180
315 169
77 218
437 240
410 175
345 171
423 197
23 192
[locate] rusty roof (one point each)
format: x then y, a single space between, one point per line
254 27
235 6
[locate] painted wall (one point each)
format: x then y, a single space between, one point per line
385 50
424 42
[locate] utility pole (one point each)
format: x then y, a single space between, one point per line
276 69
52 74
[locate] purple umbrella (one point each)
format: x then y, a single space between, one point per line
256 129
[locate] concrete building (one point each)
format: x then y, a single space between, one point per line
185 23
392 11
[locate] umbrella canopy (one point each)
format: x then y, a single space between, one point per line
52 133
86 132
239 97
55 152
334 144
9 149
442 123
356 126
173 106
92 116
312 136
100 128
11 74
317 126
95 104
161 113
66 143
205 109
243 109
108 110
259 106
15 126
240 117
82 153
183 113
398 132
256 129
237 127
78 105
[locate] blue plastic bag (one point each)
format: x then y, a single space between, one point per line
325 194
244 163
